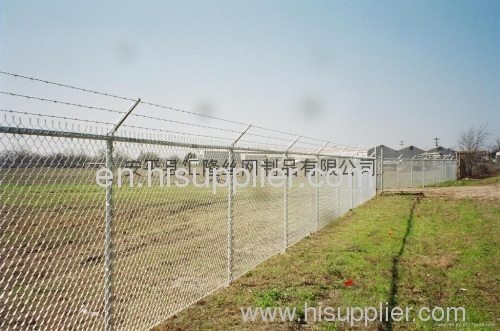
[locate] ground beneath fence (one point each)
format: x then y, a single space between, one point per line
489 192
441 249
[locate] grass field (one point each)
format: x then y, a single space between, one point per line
442 252
470 182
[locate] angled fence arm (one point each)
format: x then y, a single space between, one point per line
240 135
322 148
122 119
292 143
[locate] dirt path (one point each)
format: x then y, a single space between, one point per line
489 192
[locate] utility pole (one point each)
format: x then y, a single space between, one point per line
401 143
436 140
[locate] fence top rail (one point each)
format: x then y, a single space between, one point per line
120 138
40 123
386 160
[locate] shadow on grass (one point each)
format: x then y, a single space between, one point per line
395 266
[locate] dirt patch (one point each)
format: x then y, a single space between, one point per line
438 262
483 192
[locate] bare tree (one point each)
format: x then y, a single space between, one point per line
473 143
495 147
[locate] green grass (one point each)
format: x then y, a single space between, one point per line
470 182
441 253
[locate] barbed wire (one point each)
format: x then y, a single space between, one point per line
292 134
65 85
184 123
54 116
147 128
171 131
267 144
212 127
192 113
158 106
61 102
108 123
267 137
117 97
261 143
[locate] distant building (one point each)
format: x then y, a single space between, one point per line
441 152
410 152
388 152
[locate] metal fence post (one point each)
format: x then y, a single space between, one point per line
230 221
108 238
285 214
376 169
442 168
317 196
108 249
351 176
423 173
397 172
433 172
338 188
285 200
317 184
230 250
411 173
381 168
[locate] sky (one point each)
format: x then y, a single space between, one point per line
351 72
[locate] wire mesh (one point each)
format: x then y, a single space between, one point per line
417 172
76 255
52 233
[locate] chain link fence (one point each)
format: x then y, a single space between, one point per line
76 255
85 249
418 172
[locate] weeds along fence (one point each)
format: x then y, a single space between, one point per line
76 255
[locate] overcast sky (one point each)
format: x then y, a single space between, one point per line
354 72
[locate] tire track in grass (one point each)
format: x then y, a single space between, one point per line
395 265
